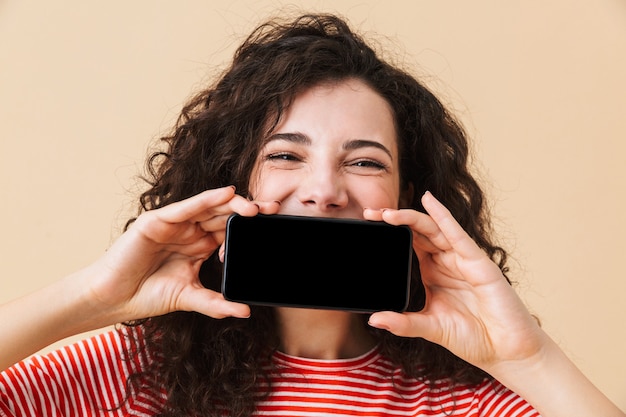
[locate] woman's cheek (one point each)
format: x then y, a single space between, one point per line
376 194
275 185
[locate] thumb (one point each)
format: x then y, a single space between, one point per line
404 324
213 304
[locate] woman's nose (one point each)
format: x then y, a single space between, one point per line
323 190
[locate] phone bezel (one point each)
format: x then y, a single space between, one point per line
402 236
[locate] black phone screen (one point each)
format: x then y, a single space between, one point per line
311 262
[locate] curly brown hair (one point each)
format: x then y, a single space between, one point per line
210 366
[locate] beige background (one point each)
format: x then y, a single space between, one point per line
86 86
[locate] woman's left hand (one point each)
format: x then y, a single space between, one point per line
471 309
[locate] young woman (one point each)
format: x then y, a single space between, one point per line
307 120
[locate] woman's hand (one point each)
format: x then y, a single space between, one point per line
473 311
470 307
152 269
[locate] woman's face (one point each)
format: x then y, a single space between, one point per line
333 154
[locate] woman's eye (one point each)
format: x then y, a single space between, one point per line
281 156
368 163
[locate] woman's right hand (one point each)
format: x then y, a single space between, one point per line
152 269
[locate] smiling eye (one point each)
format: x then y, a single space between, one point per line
368 163
281 156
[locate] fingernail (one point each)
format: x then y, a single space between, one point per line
378 326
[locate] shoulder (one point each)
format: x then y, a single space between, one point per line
90 374
488 398
493 399
119 351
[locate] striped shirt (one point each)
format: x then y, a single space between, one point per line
370 385
89 377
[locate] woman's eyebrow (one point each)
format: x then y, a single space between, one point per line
290 137
364 143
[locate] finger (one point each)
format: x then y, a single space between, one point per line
240 206
213 304
450 229
219 215
405 324
198 249
187 209
373 214
268 207
215 224
154 229
222 253
421 223
426 234
207 204
236 204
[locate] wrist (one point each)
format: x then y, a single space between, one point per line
55 312
85 309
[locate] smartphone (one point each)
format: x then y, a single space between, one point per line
321 263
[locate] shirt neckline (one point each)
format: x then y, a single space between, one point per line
284 360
